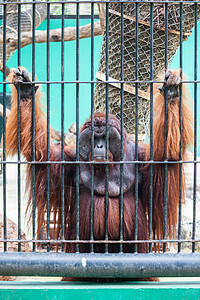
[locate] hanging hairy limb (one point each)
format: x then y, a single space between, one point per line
172 85
17 77
173 139
55 135
22 82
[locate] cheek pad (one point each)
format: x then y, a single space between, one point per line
115 143
85 144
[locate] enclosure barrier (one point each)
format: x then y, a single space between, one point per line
100 265
172 22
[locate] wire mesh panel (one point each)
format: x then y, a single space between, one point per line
105 205
144 50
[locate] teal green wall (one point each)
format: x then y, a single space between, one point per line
188 70
85 71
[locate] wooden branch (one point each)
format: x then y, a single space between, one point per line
54 36
102 15
127 88
7 69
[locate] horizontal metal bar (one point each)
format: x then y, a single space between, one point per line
99 82
99 163
68 17
91 241
103 1
71 17
100 265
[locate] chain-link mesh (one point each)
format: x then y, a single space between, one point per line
144 39
26 21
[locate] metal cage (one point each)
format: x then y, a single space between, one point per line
43 259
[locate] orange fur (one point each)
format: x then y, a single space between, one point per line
26 128
173 153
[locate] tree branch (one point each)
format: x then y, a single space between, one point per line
6 69
102 15
54 36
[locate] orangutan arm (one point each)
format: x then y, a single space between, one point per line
17 77
172 85
172 153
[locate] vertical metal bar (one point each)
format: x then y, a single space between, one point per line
181 127
33 124
4 127
122 128
19 130
107 126
136 125
48 127
92 129
195 130
151 127
166 118
77 124
62 126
